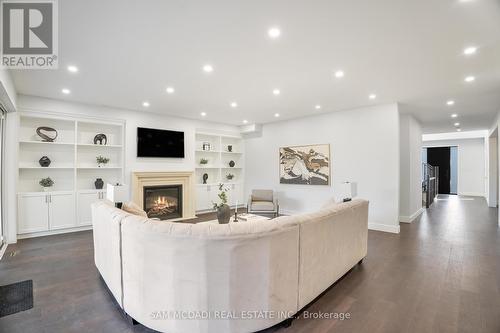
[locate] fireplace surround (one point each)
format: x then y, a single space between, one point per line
154 182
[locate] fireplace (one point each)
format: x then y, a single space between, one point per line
163 202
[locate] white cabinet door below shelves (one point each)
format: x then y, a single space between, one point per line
62 211
33 213
203 197
85 199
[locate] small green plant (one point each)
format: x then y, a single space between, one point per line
102 160
203 161
229 176
46 182
222 196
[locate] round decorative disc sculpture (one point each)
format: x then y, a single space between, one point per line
44 161
48 134
232 164
100 139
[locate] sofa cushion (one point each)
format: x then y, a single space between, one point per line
262 195
132 208
262 206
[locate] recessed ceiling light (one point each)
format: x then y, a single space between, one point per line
317 106
372 96
276 92
203 114
145 104
170 90
450 102
456 124
459 130
339 74
208 68
66 91
274 32
470 79
276 115
72 69
470 50
454 115
245 121
234 104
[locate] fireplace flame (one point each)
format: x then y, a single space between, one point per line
162 201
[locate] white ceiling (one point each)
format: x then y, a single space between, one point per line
404 51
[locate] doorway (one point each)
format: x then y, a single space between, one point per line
446 158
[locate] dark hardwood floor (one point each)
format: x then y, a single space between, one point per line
441 274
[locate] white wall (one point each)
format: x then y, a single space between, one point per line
471 164
133 120
410 204
8 98
364 146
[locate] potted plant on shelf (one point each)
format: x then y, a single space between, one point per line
46 183
203 161
229 176
102 161
223 210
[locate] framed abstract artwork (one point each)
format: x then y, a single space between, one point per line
305 165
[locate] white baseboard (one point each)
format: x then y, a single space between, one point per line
472 194
53 232
288 212
2 250
410 219
384 227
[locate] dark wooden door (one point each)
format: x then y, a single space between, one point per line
440 156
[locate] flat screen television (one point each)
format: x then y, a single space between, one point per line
159 143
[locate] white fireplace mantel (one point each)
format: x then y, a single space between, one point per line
184 178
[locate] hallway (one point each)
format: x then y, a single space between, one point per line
441 274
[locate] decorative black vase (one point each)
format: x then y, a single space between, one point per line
232 164
205 177
230 148
44 161
99 184
223 214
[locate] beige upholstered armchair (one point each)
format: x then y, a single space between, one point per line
263 202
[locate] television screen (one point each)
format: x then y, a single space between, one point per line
159 143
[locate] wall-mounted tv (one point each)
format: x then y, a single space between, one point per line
159 143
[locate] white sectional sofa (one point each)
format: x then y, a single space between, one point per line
238 277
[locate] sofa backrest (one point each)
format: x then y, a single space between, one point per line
208 268
281 265
331 241
106 221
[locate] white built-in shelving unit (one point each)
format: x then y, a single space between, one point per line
218 168
73 168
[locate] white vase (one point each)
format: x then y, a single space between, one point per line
45 189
